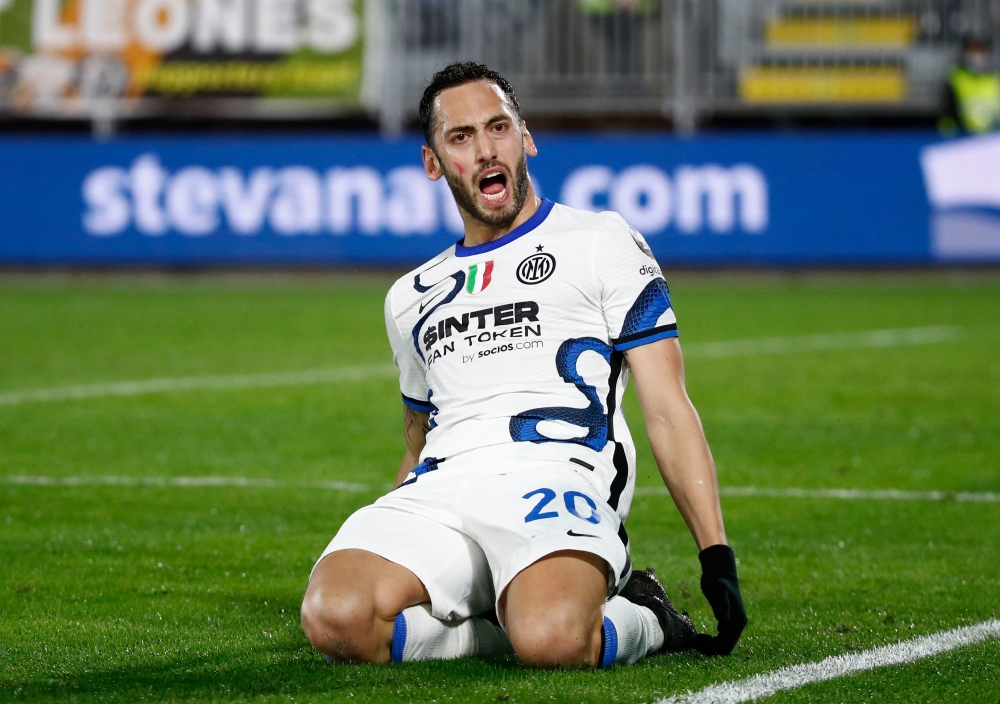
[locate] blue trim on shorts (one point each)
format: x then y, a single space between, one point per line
428 465
609 643
399 638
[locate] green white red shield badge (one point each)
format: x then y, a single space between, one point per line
479 277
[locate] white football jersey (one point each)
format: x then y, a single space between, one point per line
515 347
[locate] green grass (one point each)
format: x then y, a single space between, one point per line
170 593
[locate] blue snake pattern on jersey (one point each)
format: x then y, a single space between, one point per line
459 277
524 426
647 309
431 422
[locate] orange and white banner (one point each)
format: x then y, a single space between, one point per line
58 54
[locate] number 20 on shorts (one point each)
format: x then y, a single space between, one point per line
570 499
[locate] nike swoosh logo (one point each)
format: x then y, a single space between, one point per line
582 535
428 302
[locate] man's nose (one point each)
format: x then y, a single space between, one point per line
485 147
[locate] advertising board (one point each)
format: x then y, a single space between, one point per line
60 56
880 199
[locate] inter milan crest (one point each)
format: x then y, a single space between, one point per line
536 268
640 242
479 277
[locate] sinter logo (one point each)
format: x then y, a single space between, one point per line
536 268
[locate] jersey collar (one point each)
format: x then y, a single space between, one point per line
524 228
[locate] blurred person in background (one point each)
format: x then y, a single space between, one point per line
8 76
972 96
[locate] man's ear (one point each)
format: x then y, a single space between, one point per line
529 142
432 167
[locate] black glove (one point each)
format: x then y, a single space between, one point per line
721 587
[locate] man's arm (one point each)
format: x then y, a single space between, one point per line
686 465
677 438
416 425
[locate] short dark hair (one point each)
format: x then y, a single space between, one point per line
974 42
457 74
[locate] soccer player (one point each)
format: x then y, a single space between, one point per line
506 528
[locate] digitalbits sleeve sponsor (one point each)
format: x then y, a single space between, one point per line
634 295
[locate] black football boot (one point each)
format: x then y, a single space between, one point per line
644 589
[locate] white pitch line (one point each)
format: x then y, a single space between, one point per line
195 482
890 337
696 350
847 494
986 497
764 685
199 383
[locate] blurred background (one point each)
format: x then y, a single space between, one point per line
150 133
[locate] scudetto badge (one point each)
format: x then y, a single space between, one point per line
536 268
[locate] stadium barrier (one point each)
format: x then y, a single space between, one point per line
112 60
753 199
683 59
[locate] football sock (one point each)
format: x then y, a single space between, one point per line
417 635
631 632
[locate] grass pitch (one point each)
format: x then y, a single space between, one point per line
191 593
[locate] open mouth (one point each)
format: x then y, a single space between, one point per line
493 186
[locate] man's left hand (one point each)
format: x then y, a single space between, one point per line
721 587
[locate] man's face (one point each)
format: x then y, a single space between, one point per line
977 59
481 148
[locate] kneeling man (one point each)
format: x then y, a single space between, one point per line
506 528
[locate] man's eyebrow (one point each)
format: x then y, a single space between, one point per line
460 128
471 128
498 118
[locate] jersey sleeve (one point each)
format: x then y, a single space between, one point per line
633 293
412 381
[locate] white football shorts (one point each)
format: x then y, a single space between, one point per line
467 535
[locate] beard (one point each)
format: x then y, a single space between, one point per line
467 198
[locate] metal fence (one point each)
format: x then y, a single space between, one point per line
682 59
686 59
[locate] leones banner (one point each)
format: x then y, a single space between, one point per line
65 56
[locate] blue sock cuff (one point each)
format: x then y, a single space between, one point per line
399 638
609 643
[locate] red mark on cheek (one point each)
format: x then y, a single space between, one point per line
459 169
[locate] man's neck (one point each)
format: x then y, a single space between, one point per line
477 232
